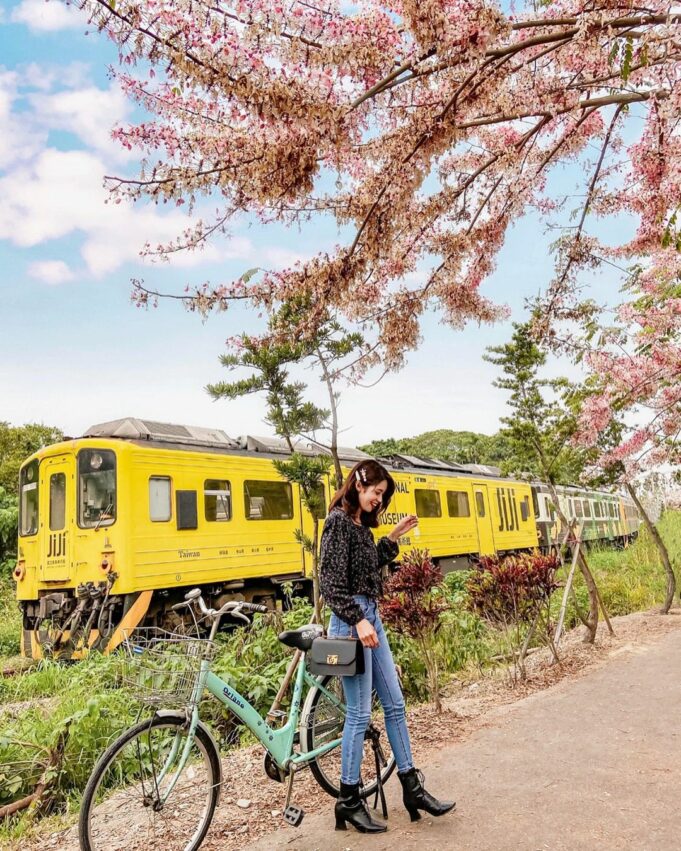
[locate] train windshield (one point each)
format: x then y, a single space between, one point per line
96 488
28 504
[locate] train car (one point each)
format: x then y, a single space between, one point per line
600 516
464 510
115 526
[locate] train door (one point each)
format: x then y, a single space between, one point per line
57 484
484 520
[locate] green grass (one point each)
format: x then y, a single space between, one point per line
10 620
633 579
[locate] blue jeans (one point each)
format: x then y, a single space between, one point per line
379 675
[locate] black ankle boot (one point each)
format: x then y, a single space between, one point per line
350 807
416 798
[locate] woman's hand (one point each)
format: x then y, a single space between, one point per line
405 525
367 634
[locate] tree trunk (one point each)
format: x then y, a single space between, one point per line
592 618
316 593
661 548
333 402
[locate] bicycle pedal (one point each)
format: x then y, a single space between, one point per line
294 815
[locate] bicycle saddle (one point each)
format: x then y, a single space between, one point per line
302 637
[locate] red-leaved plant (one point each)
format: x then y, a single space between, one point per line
413 605
513 593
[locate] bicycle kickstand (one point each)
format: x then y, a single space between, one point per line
293 815
381 762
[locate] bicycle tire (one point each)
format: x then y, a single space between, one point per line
326 769
118 805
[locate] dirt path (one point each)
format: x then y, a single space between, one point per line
591 764
585 755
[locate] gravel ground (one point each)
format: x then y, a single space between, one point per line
537 766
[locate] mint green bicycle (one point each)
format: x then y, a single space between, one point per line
158 784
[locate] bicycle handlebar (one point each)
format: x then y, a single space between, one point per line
236 607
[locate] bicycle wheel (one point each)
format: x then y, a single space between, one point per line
322 720
124 804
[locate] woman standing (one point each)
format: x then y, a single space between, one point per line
350 568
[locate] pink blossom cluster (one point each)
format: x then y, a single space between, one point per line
636 373
425 128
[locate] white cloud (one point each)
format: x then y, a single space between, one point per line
20 139
61 193
280 257
46 76
89 113
51 272
49 194
47 17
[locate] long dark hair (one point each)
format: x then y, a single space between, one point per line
367 472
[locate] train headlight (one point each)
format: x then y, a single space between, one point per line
96 461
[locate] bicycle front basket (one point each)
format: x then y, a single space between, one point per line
162 668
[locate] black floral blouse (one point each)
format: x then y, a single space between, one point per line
350 563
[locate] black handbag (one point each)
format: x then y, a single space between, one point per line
337 657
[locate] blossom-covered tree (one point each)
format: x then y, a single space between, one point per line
635 377
424 129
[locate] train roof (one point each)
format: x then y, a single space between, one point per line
176 436
179 436
197 437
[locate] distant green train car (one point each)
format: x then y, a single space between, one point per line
601 516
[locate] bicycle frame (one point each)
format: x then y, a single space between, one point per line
279 742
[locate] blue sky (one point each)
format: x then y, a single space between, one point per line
73 349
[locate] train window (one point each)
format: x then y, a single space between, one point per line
427 503
187 510
587 508
159 499
480 503
96 488
57 501
457 504
28 505
535 503
579 512
217 500
268 500
525 508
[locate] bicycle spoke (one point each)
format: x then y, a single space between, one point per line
140 800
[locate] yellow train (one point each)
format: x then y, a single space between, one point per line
115 526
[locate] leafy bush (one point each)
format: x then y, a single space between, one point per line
9 519
74 713
412 604
10 616
513 593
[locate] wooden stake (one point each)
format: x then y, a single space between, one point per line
568 582
286 682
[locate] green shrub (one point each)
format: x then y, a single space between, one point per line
10 616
